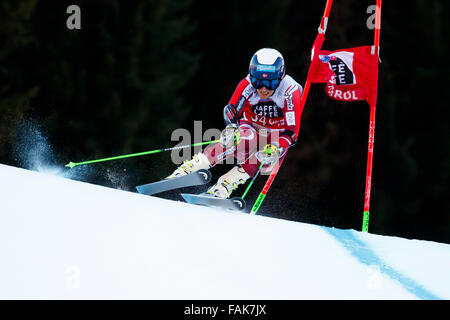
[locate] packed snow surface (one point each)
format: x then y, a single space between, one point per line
66 239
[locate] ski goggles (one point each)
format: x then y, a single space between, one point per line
269 84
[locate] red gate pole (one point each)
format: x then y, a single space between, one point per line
375 50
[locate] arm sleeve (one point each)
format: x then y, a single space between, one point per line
237 99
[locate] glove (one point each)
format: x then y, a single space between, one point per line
270 154
230 136
230 114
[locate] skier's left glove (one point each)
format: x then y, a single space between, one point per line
230 136
270 154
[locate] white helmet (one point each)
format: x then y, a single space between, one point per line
267 69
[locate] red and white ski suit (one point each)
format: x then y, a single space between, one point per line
261 121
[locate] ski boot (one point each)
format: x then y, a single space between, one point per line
228 183
198 161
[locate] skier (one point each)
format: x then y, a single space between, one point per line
264 110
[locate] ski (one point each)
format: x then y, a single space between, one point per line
199 177
236 203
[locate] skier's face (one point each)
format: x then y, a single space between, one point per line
264 93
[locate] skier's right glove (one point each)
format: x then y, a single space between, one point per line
269 154
230 136
230 114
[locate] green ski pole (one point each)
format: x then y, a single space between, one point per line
253 180
74 164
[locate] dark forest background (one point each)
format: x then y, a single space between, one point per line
138 70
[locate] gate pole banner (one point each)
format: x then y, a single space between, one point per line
350 74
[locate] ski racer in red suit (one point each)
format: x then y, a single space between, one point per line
262 121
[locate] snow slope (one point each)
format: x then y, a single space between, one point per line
65 239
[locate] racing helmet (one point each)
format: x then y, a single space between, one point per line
267 69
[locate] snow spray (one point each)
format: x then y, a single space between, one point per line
33 151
